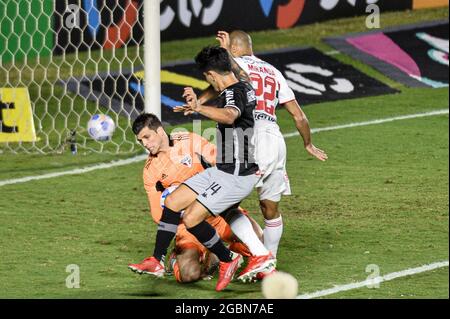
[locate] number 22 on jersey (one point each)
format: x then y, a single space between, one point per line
266 89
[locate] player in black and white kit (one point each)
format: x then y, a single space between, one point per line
271 90
224 186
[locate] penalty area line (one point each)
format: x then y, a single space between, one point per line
375 280
144 156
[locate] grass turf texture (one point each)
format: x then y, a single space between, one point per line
382 198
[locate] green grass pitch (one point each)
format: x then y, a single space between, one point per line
381 198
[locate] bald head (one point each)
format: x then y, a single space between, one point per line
240 43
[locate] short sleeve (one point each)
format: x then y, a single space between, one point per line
285 94
236 99
241 64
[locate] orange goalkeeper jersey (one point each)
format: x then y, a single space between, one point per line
187 156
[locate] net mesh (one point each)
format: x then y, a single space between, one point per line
47 44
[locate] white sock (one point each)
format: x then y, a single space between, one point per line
272 234
243 229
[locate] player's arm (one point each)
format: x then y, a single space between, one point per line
154 196
207 95
224 39
302 125
210 93
226 115
239 72
204 150
209 151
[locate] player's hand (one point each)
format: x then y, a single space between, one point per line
316 152
183 108
224 39
191 100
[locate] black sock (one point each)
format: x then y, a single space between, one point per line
207 235
167 228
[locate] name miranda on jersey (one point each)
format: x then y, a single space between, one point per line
261 69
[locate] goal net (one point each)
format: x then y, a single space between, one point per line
57 58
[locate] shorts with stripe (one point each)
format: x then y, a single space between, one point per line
272 163
217 191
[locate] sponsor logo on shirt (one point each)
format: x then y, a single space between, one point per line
251 96
263 116
229 97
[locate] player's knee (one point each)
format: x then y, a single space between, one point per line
269 210
170 202
230 214
190 219
263 208
272 214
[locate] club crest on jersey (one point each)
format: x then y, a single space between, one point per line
187 161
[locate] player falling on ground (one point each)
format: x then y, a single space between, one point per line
172 160
191 261
219 188
271 90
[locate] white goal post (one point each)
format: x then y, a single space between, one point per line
152 57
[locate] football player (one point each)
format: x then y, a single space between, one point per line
272 91
172 160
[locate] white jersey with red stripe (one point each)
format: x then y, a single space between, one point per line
270 87
271 90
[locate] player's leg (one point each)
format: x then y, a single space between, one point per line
194 219
274 185
170 218
256 263
236 245
167 229
225 190
239 247
256 228
273 225
239 223
180 198
228 191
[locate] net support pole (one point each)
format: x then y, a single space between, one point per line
152 57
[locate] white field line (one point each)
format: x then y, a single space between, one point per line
75 171
375 280
380 121
142 157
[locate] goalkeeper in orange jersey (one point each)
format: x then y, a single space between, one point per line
172 160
